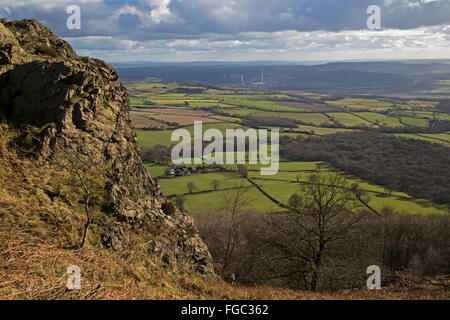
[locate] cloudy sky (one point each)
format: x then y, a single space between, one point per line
244 30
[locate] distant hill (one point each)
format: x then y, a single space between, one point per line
387 77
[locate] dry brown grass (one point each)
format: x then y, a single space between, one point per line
35 269
37 234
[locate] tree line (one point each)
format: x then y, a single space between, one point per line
323 242
416 167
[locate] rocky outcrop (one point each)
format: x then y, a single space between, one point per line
76 104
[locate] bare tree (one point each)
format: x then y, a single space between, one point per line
216 184
363 198
179 201
295 200
243 170
236 200
324 214
191 186
86 176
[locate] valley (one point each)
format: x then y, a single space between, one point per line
159 108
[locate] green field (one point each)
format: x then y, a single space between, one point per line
433 138
284 166
151 138
239 112
309 118
442 86
415 122
202 182
431 115
232 106
281 186
261 105
441 136
379 196
156 170
320 130
216 200
380 119
360 104
211 105
419 105
350 120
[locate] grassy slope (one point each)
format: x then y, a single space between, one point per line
35 234
280 187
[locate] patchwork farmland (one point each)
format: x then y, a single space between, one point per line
159 108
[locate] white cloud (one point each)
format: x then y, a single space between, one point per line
245 29
161 12
429 42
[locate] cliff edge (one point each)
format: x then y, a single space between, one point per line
72 111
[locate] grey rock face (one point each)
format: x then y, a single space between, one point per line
78 104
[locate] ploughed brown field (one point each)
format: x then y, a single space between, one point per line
183 117
140 121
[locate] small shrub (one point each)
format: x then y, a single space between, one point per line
43 48
169 208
